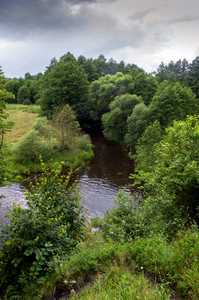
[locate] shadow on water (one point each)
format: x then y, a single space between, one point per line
107 173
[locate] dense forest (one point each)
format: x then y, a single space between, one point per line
50 249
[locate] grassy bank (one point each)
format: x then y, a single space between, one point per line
150 268
22 118
33 139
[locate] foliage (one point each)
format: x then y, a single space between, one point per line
24 95
3 129
43 141
136 124
144 85
119 223
145 153
13 85
176 263
193 76
36 144
100 66
183 71
172 101
115 121
174 71
49 228
121 284
176 166
104 90
135 217
6 96
67 126
64 82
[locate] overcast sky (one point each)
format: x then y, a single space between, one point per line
144 32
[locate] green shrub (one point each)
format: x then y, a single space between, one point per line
32 148
154 255
119 223
49 229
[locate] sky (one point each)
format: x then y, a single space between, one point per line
144 32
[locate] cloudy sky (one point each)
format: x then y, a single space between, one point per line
144 32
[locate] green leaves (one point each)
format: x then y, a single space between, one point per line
51 227
64 82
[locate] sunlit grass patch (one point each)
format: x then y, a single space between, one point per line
22 118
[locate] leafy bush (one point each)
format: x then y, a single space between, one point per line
119 223
175 170
176 263
50 228
32 148
136 217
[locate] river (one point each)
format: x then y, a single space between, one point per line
106 174
98 184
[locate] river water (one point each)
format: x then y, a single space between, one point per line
107 173
98 184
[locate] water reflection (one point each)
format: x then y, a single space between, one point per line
108 172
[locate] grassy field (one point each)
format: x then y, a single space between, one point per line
22 118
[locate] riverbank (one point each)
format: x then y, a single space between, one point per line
98 181
33 140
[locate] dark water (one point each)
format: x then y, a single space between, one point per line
107 173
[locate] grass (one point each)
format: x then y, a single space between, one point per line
31 138
22 118
120 284
151 267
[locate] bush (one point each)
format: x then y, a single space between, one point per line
136 217
50 228
32 148
175 169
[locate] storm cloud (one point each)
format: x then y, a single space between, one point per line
141 32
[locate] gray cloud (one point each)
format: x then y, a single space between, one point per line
140 15
144 32
184 19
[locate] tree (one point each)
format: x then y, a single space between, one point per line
3 129
145 156
65 82
89 68
144 85
67 126
13 85
104 90
115 121
2 79
24 95
173 101
136 124
175 170
174 71
193 78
